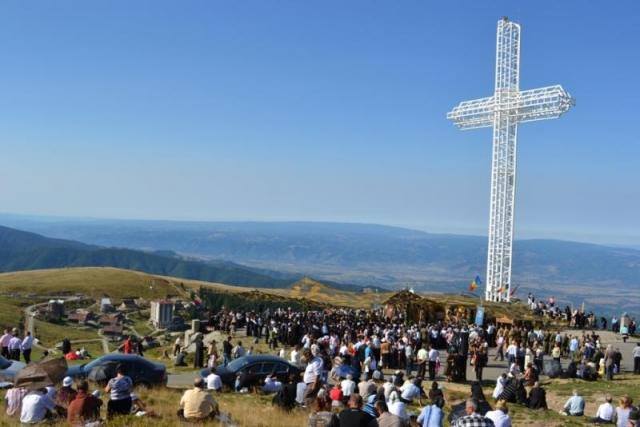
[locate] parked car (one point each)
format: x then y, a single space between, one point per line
142 371
8 370
254 369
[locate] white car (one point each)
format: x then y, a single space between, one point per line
8 371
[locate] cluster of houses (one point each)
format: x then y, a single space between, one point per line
110 318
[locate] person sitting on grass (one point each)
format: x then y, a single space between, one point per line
500 416
119 389
538 397
196 404
605 412
37 407
66 394
321 414
354 415
214 382
85 408
574 406
621 415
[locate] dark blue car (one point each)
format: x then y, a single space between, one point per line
142 371
254 369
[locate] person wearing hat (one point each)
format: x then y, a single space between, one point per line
196 404
67 393
500 416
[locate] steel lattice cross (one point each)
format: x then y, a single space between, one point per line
504 110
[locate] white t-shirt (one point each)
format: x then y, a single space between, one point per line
348 387
433 355
214 382
34 408
313 370
605 411
499 418
410 391
295 357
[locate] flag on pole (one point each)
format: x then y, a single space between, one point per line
475 283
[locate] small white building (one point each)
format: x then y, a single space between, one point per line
105 305
162 313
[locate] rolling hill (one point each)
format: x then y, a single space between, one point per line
369 255
20 250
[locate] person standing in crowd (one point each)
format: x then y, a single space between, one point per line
25 347
4 344
196 404
636 359
433 357
119 389
14 345
313 372
609 362
227 348
421 358
84 408
198 357
177 345
472 418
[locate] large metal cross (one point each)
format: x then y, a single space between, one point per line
504 110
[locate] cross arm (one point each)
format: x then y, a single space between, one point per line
543 103
477 113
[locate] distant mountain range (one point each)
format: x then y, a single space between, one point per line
369 255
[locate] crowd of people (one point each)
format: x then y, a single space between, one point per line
12 346
343 355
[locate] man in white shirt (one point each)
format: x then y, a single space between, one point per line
410 391
14 346
500 416
295 355
605 412
636 359
313 373
421 358
26 345
4 344
433 356
36 406
348 386
214 382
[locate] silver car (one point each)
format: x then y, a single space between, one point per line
8 371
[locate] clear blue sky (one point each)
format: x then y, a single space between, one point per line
299 110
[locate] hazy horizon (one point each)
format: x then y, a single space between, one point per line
629 241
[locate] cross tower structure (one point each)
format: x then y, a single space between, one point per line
504 111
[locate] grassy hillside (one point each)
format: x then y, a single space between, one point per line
90 281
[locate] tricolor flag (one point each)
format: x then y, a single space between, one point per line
475 283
